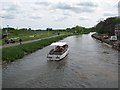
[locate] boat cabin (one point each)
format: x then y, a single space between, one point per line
59 51
59 48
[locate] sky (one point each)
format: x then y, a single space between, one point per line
56 14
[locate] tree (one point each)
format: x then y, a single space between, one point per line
77 29
107 26
49 29
29 29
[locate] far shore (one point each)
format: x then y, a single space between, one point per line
113 44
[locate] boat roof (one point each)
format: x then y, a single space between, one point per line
58 44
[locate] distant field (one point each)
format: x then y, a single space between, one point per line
27 35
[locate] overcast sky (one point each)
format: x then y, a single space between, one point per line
55 13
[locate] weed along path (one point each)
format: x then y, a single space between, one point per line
25 42
89 64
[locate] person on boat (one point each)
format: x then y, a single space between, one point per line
59 49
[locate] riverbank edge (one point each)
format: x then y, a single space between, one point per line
109 43
11 54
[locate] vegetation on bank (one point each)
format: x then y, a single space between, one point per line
12 53
80 30
27 34
107 26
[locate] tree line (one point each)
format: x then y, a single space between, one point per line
107 26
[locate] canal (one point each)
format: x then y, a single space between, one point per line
89 64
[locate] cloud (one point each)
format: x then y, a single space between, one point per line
74 8
7 16
42 3
64 6
59 13
110 14
88 4
67 13
10 10
58 19
84 18
35 17
10 7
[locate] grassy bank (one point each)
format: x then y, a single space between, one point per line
27 35
12 53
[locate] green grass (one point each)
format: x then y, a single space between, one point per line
25 35
13 53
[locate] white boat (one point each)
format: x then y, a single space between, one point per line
59 51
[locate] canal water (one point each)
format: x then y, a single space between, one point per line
89 64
